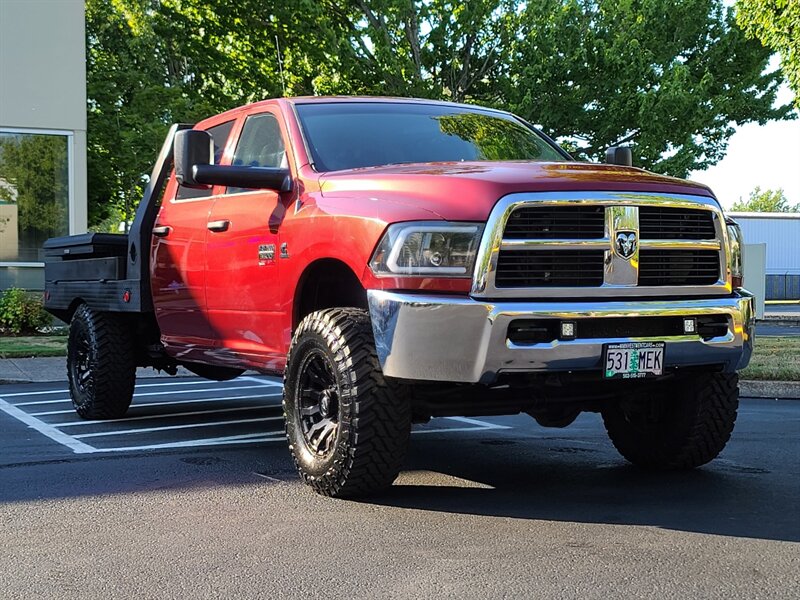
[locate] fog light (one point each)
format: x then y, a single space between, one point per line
690 325
568 330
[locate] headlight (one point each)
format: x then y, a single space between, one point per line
736 252
435 248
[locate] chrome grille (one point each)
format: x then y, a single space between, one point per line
663 223
578 244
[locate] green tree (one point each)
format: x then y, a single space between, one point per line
668 77
765 201
777 24
151 63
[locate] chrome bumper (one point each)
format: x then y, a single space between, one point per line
441 338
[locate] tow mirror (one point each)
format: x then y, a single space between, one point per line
192 148
194 166
619 155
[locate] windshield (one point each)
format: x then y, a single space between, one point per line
348 135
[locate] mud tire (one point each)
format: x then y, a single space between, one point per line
686 425
373 412
101 364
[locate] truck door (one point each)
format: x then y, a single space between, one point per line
243 249
178 258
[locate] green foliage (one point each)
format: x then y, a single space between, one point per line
667 76
21 313
36 167
777 24
765 201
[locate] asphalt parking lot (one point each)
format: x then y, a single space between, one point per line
194 495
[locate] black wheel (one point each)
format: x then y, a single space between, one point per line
101 366
685 425
347 425
213 372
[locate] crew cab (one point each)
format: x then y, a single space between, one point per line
399 259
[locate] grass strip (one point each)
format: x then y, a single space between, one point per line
33 346
774 359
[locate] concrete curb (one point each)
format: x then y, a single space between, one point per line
780 320
775 390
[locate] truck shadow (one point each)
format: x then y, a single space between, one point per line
569 484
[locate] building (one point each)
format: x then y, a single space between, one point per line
781 234
42 132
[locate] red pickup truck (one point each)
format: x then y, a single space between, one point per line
400 259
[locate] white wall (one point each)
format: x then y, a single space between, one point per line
755 260
43 79
780 232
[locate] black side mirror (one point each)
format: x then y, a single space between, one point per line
194 166
619 155
192 147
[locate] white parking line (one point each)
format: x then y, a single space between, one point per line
54 434
276 436
482 424
266 382
146 385
247 438
476 425
172 402
217 389
160 416
73 442
188 426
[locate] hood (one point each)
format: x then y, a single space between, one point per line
468 190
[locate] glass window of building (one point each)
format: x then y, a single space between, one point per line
34 198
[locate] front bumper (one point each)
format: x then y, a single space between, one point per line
457 339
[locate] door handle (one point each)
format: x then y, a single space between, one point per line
219 225
161 230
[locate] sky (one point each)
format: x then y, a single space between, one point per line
758 155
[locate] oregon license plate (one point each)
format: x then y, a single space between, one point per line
633 360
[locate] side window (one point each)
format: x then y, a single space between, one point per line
260 145
219 133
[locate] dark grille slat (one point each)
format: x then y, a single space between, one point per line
678 267
549 268
553 222
661 223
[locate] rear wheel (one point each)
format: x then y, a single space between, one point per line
101 367
685 425
347 425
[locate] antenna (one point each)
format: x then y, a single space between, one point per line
280 63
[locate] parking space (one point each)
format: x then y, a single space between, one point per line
174 413
195 493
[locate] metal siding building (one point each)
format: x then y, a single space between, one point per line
781 233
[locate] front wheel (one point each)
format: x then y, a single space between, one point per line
685 425
347 425
101 364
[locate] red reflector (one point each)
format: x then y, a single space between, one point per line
126 296
737 281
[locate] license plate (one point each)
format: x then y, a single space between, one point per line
633 360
